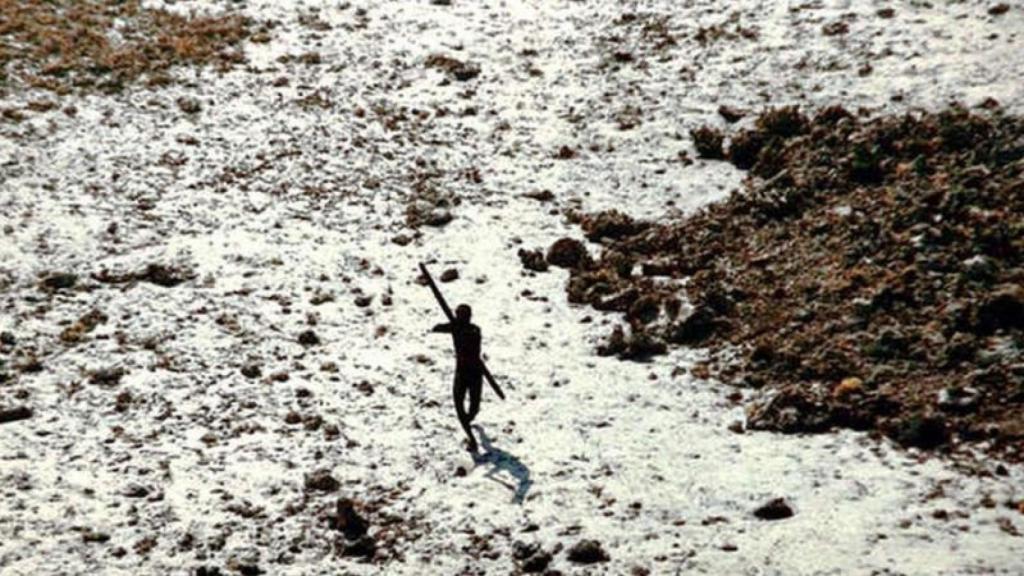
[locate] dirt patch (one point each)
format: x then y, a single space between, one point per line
69 45
870 273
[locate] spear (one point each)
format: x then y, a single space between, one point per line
451 318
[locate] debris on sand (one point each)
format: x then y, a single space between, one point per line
866 266
14 414
587 552
774 509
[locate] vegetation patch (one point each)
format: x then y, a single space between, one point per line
81 45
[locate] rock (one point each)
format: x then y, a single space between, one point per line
744 148
309 338
999 9
536 563
835 28
775 509
457 69
252 371
565 153
135 491
587 552
610 224
93 537
885 13
8 339
438 217
540 195
189 104
15 414
695 328
708 142
163 275
59 281
321 481
107 376
958 399
736 427
533 260
363 300
792 410
568 253
364 547
521 550
922 431
348 520
1003 309
449 275
730 114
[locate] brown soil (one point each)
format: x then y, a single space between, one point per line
870 272
66 45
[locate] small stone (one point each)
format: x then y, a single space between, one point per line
537 563
107 376
15 414
533 260
309 338
736 427
587 552
189 104
775 509
252 371
363 301
7 339
999 9
59 281
730 114
567 253
922 432
348 520
449 275
321 481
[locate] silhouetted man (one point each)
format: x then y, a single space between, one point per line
468 366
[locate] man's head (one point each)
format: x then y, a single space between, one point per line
463 313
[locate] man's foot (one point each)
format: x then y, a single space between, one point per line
471 445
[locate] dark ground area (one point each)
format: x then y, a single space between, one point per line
870 273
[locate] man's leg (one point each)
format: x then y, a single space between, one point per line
475 386
460 410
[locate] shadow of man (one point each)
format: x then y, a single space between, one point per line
502 461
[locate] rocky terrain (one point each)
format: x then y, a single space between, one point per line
870 273
214 348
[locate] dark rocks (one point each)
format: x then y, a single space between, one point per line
697 327
587 552
533 260
922 431
348 520
108 377
744 148
189 104
792 410
835 28
567 253
449 275
364 547
730 114
8 339
363 300
58 281
708 142
536 563
610 224
321 481
252 370
775 509
14 414
309 338
1003 309
540 195
456 69
164 275
999 9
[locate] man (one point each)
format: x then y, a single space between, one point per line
468 367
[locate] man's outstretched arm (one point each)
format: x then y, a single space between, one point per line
445 328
